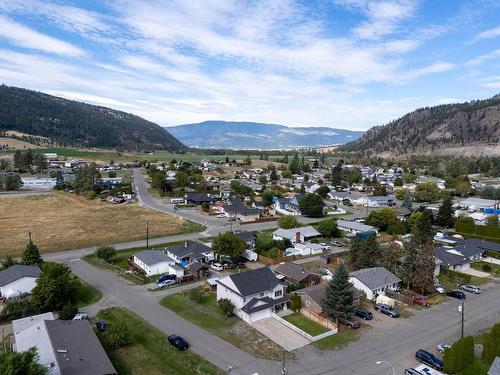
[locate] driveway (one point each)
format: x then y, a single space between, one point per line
280 334
473 272
491 260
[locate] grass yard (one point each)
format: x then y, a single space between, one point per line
206 315
453 283
341 339
150 353
305 324
495 268
61 221
87 295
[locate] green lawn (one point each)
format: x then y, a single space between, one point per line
495 268
305 324
339 340
206 314
150 352
87 295
453 283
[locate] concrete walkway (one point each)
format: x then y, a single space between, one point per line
491 260
473 272
280 334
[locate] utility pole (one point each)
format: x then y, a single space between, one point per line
29 236
284 371
147 234
461 310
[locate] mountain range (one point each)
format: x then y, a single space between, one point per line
461 129
71 123
253 135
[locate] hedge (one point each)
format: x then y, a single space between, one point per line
455 275
478 230
459 356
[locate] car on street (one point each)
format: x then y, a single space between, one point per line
387 310
178 342
336 243
416 298
429 359
221 216
324 246
363 313
442 347
217 267
167 283
471 289
439 289
165 277
350 322
456 294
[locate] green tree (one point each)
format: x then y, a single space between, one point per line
382 219
205 206
8 262
56 287
296 302
86 177
263 179
445 216
364 253
328 228
117 336
105 252
391 257
294 165
40 162
426 192
336 175
31 256
459 356
491 345
21 363
311 205
323 191
68 312
338 300
409 265
228 244
181 179
267 197
273 175
407 201
112 174
226 306
288 222
423 279
398 181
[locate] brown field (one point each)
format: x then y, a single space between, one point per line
16 143
61 221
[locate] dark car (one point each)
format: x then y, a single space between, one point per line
456 294
363 314
429 359
350 322
387 310
165 277
178 342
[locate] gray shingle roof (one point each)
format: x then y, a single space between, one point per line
375 277
77 348
355 225
151 257
449 257
307 231
495 367
293 271
238 207
16 272
316 292
194 248
255 281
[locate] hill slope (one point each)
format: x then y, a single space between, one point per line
71 123
471 128
253 135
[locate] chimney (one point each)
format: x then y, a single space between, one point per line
297 237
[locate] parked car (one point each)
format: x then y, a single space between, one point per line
81 316
439 289
102 325
471 289
363 314
324 246
167 283
350 322
417 299
217 267
178 342
442 347
387 310
336 243
221 216
165 277
429 359
456 294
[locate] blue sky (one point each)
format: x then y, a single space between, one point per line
341 63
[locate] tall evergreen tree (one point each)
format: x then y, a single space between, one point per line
31 256
407 201
423 280
338 300
446 211
391 256
409 265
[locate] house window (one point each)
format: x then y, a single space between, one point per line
278 293
262 295
244 299
308 304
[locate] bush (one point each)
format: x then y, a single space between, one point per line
459 356
90 195
288 222
68 312
226 306
117 336
196 294
296 302
205 207
486 267
106 253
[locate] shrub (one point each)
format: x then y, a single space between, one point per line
117 336
68 312
288 222
105 252
205 207
90 195
196 294
486 267
226 306
296 302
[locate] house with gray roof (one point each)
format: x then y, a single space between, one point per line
353 227
296 235
18 280
311 297
374 281
495 367
294 274
237 209
191 251
153 262
255 294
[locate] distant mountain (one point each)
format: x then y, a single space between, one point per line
71 123
462 129
253 135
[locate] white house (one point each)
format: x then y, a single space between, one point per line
296 235
308 249
191 251
354 227
39 182
18 279
374 281
153 262
255 294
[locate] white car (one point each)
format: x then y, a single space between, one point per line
81 316
324 246
167 283
439 289
471 289
442 347
217 267
221 216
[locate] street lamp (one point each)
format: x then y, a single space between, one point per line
389 363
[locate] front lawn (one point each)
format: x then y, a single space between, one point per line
341 339
150 352
87 295
205 314
451 283
305 324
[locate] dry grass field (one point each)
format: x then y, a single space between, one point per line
62 221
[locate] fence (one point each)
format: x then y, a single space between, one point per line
319 319
301 332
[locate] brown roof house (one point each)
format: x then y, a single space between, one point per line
311 297
292 274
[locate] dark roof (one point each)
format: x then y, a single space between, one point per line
375 277
316 292
195 267
293 271
77 348
16 272
246 236
482 244
188 248
259 304
238 207
151 257
449 258
199 197
254 281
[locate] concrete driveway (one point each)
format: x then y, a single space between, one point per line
280 334
473 272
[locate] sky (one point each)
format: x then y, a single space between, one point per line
349 64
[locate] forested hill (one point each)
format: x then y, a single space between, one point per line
71 123
470 128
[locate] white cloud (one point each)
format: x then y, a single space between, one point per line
483 58
488 34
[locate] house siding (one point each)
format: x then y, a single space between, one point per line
23 285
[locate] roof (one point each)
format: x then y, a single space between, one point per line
307 231
495 367
195 266
293 271
16 272
84 356
255 281
151 257
259 304
188 248
246 236
316 292
375 277
355 225
238 207
449 256
199 197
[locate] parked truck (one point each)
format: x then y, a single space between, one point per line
251 255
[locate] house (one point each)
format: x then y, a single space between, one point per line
64 347
495 367
280 204
18 280
248 237
311 297
39 182
191 251
153 262
374 281
288 206
199 270
237 209
198 198
339 195
457 254
255 294
304 249
311 187
403 213
354 227
375 201
473 203
292 274
296 235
